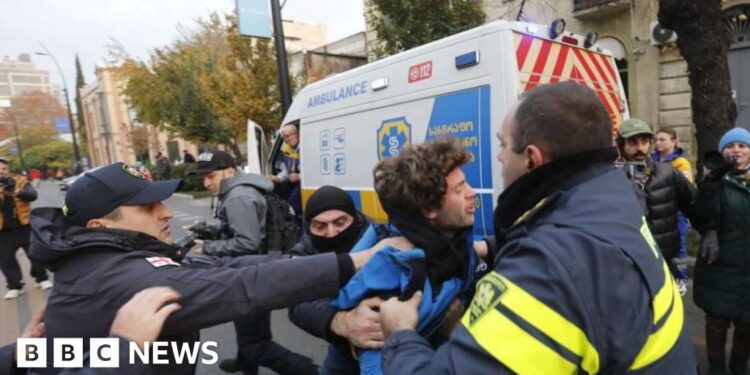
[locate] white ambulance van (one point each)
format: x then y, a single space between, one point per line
460 86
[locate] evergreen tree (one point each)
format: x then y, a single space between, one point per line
81 126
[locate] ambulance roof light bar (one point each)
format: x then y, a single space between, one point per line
556 28
379 84
591 38
467 59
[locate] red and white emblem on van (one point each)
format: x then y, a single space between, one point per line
420 71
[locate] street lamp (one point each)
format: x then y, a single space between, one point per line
5 103
76 157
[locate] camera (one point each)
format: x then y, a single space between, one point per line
186 242
7 183
203 231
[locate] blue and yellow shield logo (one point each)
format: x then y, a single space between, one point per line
393 135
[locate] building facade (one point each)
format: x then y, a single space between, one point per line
113 132
300 36
21 75
339 56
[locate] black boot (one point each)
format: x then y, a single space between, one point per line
740 349
231 365
298 365
716 339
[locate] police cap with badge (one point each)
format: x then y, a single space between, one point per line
99 192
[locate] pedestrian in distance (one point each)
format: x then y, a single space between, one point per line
163 167
187 157
16 197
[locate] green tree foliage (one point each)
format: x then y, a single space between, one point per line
405 24
243 85
167 94
55 154
205 86
36 135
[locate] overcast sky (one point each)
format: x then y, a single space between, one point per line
68 27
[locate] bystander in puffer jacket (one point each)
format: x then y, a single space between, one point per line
667 191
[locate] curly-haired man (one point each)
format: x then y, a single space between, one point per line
427 199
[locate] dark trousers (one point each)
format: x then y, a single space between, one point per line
255 346
10 241
716 339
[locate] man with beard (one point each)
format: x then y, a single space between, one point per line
428 201
665 190
578 285
333 224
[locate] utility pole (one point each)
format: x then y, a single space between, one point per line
76 156
282 68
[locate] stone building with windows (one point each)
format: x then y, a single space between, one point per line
113 132
21 75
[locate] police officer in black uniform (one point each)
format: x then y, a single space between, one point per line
112 239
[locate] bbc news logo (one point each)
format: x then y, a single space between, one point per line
105 353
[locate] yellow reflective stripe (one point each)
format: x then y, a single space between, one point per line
516 348
646 233
661 341
551 323
664 296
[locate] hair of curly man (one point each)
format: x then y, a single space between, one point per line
415 180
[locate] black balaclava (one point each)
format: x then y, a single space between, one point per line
332 198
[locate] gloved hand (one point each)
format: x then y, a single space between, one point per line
709 246
716 165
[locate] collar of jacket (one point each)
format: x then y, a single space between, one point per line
676 153
53 239
446 257
740 179
536 189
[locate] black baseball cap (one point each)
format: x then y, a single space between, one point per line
213 160
100 192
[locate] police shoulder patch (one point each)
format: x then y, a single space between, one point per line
489 290
161 262
129 169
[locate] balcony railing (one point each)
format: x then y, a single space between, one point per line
598 7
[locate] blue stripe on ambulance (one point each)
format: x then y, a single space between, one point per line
466 115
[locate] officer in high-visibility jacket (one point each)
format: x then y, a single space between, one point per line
579 285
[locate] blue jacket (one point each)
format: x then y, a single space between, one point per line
389 271
578 287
